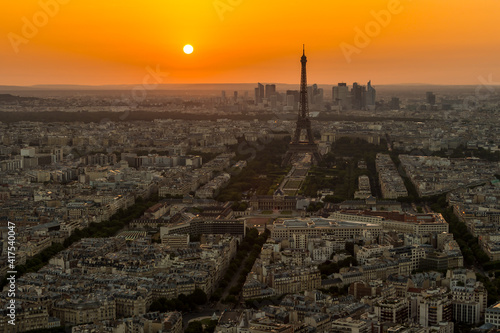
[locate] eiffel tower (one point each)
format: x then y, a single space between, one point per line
298 147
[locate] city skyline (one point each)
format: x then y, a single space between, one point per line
390 42
321 190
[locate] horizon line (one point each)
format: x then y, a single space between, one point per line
225 83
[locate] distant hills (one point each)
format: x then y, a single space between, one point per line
8 98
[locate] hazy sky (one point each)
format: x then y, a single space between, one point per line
114 41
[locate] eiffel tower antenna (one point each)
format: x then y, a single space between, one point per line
298 147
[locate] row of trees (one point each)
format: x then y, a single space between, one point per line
492 287
356 148
329 267
117 222
471 251
315 206
462 152
469 245
336 291
104 229
263 169
97 117
239 206
182 303
342 179
241 265
206 157
412 190
258 303
339 169
199 327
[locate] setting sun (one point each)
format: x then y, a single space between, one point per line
188 49
387 41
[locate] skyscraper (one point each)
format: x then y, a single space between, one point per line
273 101
340 95
270 90
315 94
259 93
370 95
358 96
319 96
296 97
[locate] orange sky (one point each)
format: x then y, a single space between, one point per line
113 41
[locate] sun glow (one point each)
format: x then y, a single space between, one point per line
188 49
62 46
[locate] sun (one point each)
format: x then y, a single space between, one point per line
188 49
